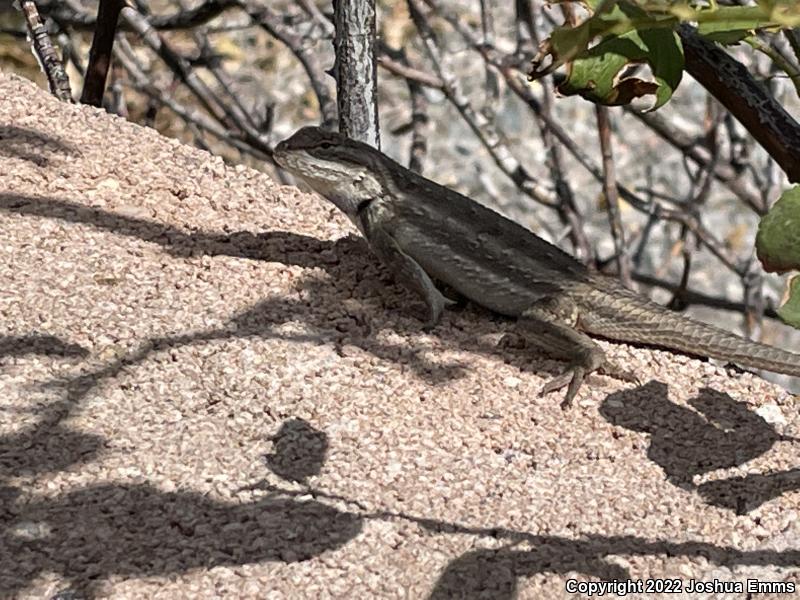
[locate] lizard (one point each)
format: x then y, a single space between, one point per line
427 234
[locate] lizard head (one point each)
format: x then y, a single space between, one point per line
342 170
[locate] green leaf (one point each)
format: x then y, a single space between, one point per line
731 24
728 38
789 312
778 239
622 25
596 76
567 42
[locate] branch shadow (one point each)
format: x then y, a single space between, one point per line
46 446
347 262
92 533
138 530
17 142
285 247
494 574
719 434
47 345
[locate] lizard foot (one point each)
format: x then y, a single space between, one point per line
572 377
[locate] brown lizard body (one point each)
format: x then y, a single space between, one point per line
424 232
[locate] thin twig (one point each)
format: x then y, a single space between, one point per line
514 79
732 84
73 15
225 112
611 197
568 206
725 172
483 129
419 110
408 72
126 56
272 23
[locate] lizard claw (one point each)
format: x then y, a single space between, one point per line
573 377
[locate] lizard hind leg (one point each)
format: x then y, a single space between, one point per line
548 325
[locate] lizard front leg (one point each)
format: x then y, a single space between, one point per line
549 325
407 272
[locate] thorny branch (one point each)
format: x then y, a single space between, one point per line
271 22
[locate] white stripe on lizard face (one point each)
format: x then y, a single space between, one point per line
346 185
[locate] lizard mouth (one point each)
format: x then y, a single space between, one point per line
280 154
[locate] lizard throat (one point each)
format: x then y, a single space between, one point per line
347 185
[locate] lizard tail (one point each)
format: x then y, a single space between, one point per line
627 317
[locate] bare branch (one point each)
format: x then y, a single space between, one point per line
45 52
408 72
611 198
526 19
514 79
732 84
486 132
273 24
224 112
355 70
126 57
419 106
183 19
724 172
94 83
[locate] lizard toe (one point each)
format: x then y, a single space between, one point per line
612 369
572 378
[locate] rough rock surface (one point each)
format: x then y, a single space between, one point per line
208 389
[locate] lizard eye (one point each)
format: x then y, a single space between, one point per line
326 145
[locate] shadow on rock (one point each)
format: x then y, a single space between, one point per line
494 574
31 145
46 449
743 494
139 531
278 246
48 345
299 451
720 433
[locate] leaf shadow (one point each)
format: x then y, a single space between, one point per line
719 434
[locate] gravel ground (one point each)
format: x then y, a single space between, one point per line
209 388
